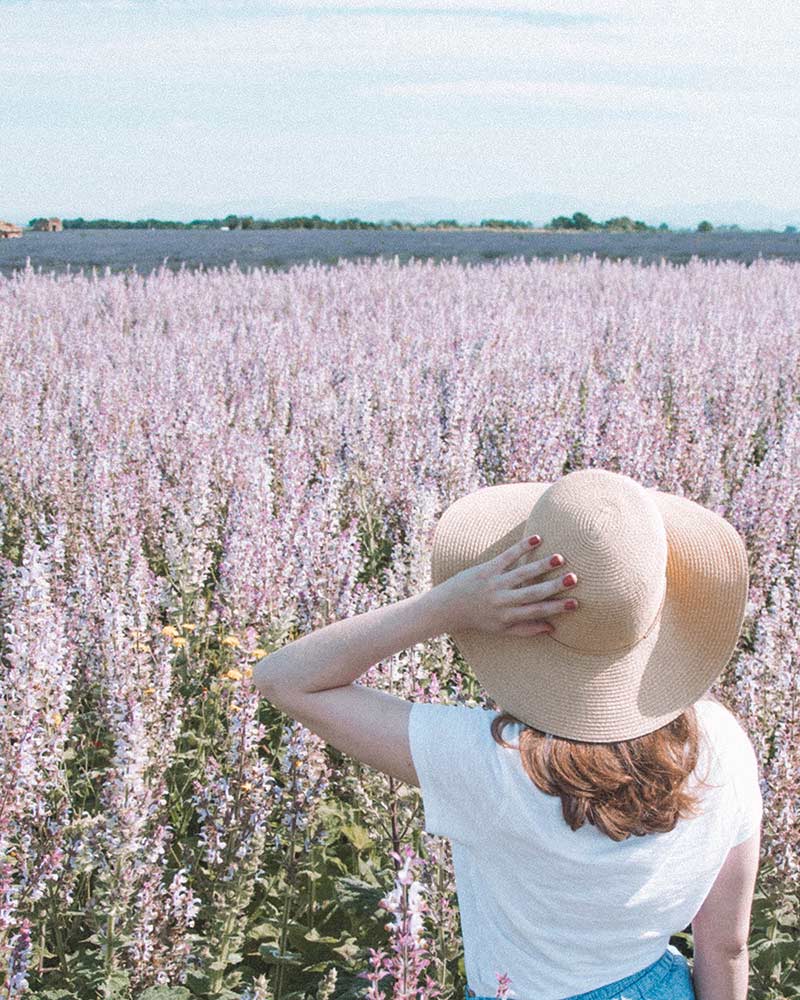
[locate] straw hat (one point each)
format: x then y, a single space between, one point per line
662 588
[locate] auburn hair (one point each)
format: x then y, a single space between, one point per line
626 787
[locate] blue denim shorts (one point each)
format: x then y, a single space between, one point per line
668 978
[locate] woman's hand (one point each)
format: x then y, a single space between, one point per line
499 596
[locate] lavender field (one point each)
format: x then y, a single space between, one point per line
143 250
197 467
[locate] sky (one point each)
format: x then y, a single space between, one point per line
131 108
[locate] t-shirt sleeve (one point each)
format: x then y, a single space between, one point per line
748 790
459 773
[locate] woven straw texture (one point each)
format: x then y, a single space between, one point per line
662 590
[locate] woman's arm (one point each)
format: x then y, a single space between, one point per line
312 678
495 596
338 654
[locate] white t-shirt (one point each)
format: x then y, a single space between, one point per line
564 911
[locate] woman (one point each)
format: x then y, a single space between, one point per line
630 805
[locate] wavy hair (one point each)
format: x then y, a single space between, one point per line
624 788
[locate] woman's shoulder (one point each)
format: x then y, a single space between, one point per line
726 731
712 708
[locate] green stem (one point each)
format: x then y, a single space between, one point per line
405 946
109 943
285 916
219 974
442 961
57 930
232 910
41 950
109 963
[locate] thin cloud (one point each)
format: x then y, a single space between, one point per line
666 98
563 8
545 18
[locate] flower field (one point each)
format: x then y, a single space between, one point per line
199 466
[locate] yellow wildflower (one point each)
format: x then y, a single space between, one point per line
230 640
57 718
188 626
169 630
233 674
246 786
148 690
179 641
248 671
258 653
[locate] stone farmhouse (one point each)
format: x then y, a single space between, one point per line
8 230
48 225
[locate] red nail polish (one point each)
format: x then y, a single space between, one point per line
570 580
555 561
534 540
570 605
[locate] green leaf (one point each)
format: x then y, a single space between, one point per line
199 981
274 957
116 986
262 930
358 836
314 935
312 876
349 950
357 896
166 993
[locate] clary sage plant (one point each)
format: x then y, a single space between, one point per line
196 467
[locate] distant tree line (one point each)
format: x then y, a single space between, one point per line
576 221
622 223
619 223
290 222
238 222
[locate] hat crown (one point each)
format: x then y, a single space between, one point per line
611 534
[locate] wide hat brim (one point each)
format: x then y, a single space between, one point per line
606 696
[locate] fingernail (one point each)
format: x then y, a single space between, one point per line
570 580
556 561
534 540
570 605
